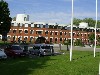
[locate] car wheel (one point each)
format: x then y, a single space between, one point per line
40 55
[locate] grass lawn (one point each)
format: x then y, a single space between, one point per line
97 46
83 63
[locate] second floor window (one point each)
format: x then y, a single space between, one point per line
46 32
14 31
38 32
55 33
60 33
31 32
26 31
20 31
51 33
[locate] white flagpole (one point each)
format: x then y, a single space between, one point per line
95 28
71 32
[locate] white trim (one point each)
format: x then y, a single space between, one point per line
25 36
21 29
39 30
51 37
25 29
14 29
31 36
56 31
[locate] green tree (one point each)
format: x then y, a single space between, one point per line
76 21
91 38
98 24
14 18
78 42
90 21
66 42
5 20
98 39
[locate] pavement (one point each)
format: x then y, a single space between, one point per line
86 48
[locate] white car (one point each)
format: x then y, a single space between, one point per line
2 54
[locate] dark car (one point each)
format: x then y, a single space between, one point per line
41 49
14 50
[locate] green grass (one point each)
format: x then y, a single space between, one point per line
97 46
83 63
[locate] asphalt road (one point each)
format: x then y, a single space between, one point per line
87 48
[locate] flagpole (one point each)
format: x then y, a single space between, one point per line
95 28
71 31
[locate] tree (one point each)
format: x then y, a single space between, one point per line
5 20
98 24
91 38
90 21
66 43
76 21
98 39
78 42
14 18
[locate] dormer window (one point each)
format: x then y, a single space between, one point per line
24 18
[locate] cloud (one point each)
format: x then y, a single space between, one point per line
60 17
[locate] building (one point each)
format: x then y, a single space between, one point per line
23 29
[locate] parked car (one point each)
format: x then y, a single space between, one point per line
2 54
14 50
41 49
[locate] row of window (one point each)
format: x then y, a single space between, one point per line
51 33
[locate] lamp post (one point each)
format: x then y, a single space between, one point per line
71 32
95 27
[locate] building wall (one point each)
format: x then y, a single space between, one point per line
57 36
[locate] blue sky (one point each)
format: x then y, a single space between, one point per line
58 11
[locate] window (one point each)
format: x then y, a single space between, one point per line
60 33
20 31
45 47
26 31
73 34
31 39
24 18
14 31
31 32
46 26
55 27
35 25
55 33
16 48
38 32
25 38
50 39
51 33
55 40
60 39
46 32
65 33
8 37
77 34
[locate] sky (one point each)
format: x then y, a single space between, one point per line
54 11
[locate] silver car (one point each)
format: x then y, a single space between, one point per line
2 54
42 49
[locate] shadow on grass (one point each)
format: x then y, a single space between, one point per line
22 66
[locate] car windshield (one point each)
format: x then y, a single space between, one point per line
45 47
36 47
16 48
